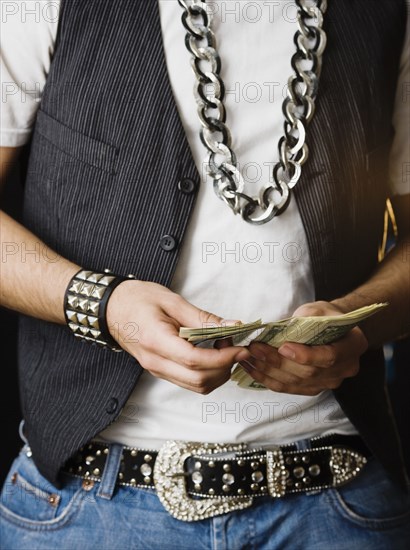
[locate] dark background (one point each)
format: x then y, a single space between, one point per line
11 202
398 356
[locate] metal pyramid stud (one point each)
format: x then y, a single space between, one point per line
95 333
84 330
73 327
93 307
76 287
71 316
87 289
84 274
95 277
82 319
106 280
93 322
72 301
83 304
98 292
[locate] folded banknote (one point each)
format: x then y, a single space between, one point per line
312 331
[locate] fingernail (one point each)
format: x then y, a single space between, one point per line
230 322
287 352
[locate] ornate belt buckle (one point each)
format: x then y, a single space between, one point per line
169 481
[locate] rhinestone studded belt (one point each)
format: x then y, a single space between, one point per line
195 481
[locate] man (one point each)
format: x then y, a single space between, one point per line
112 183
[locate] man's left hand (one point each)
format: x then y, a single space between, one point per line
307 370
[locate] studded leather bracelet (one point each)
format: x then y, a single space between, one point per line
85 306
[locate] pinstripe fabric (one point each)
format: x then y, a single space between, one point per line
107 154
97 154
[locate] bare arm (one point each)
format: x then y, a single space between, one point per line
33 282
390 283
33 277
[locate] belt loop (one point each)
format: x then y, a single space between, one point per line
21 432
110 474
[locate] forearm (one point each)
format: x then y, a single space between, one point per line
390 283
33 277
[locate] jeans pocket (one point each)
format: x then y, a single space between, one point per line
372 500
29 500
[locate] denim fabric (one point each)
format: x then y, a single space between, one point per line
368 513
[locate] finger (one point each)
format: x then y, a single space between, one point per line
296 376
350 346
202 382
306 372
172 347
272 371
328 378
294 373
314 309
190 316
264 352
280 387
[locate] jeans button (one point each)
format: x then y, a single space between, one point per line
168 242
187 186
112 405
87 484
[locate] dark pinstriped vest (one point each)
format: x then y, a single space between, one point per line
107 154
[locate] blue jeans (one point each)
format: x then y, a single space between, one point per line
368 513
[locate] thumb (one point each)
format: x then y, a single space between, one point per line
190 316
193 317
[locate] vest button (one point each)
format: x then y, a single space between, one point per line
168 242
187 186
112 405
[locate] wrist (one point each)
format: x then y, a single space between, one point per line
117 313
85 306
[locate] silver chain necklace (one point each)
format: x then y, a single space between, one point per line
298 109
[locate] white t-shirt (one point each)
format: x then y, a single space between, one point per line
227 266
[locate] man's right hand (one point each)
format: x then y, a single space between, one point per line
145 319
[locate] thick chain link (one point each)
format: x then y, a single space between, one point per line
298 109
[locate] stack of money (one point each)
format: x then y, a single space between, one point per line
312 331
219 332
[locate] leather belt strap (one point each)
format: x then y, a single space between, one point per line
224 474
199 480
